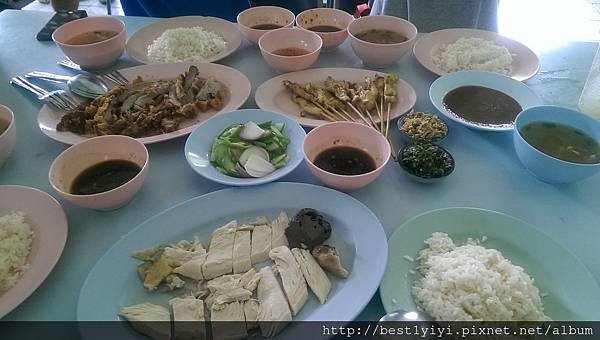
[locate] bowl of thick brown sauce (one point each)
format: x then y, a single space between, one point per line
481 100
93 42
256 21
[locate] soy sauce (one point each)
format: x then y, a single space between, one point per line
266 26
104 176
345 160
324 28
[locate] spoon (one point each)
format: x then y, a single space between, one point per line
405 315
85 85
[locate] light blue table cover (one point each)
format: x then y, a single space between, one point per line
487 175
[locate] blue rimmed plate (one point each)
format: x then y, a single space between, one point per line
199 143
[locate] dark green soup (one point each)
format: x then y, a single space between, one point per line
562 142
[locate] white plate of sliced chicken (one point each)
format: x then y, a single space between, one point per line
261 256
161 102
316 96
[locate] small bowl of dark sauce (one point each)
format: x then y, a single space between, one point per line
329 23
346 155
481 100
101 173
425 162
256 21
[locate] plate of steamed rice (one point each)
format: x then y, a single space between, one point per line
469 264
459 49
33 232
187 38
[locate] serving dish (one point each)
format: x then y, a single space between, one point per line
273 96
525 64
50 228
520 92
546 261
114 283
8 137
138 43
199 143
237 84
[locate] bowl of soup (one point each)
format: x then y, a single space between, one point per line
8 133
329 23
256 21
557 144
381 40
102 173
346 155
290 49
93 42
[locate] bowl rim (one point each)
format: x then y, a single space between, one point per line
142 171
517 132
11 124
325 9
414 140
66 26
406 42
388 153
405 168
290 57
277 8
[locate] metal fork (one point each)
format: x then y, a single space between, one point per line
113 76
58 99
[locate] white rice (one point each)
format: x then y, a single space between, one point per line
186 44
15 242
471 282
473 54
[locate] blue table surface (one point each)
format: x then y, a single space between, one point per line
488 173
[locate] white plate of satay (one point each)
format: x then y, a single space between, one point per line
316 96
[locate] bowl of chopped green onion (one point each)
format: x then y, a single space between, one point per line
425 162
422 127
245 147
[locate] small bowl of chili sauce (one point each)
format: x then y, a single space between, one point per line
346 155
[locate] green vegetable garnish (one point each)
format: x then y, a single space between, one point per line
426 160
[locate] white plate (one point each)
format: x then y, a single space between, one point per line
513 88
356 233
525 62
237 84
273 96
50 228
138 43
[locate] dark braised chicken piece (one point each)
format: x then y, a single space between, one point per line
145 108
308 229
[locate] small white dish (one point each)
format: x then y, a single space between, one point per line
137 45
511 87
50 228
199 144
525 65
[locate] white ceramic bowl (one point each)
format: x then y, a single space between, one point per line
546 167
92 56
80 157
346 134
381 55
329 17
263 15
8 138
290 38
